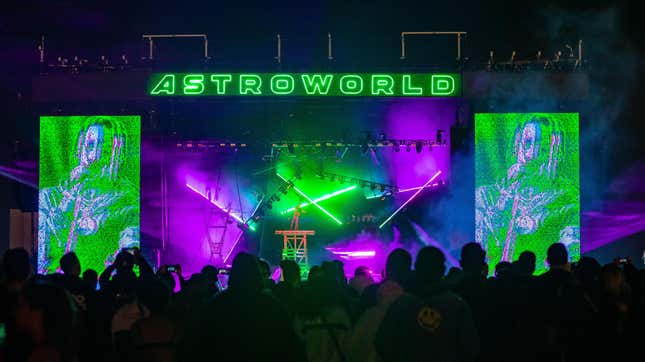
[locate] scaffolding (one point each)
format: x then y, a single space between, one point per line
295 243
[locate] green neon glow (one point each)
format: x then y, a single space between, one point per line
250 83
194 84
317 83
88 188
220 81
321 198
408 89
527 184
382 84
306 84
351 84
443 84
282 84
313 202
165 85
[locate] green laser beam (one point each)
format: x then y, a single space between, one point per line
319 199
311 201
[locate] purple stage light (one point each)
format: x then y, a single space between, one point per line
419 187
352 254
237 240
429 241
410 199
233 215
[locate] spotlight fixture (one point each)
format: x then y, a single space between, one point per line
276 198
419 146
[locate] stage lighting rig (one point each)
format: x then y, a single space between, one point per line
208 145
364 146
360 182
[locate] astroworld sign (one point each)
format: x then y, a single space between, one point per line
306 84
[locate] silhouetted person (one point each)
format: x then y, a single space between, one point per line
564 311
288 290
429 268
434 324
526 263
361 280
265 268
16 267
397 269
16 271
323 317
476 291
503 269
45 315
70 280
243 323
124 280
210 273
70 265
90 279
454 275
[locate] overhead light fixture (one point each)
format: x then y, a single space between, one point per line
408 148
419 146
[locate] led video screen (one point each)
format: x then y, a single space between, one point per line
88 189
527 187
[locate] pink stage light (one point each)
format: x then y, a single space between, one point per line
354 254
410 199
233 215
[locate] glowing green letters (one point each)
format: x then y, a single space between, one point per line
194 84
305 84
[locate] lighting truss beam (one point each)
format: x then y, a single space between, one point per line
352 180
239 236
234 216
319 199
403 190
371 144
410 199
312 201
419 187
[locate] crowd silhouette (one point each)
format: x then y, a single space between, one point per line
419 311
